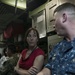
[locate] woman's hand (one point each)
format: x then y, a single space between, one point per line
33 70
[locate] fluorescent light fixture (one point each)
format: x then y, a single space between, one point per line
20 3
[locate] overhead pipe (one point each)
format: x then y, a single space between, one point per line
16 1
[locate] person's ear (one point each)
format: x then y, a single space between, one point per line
64 17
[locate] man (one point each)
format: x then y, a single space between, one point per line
8 66
62 57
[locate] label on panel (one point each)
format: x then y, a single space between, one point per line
38 22
49 14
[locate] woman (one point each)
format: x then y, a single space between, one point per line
31 59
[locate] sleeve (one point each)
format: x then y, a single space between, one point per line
49 63
70 67
23 53
40 52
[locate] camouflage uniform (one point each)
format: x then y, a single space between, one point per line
8 67
62 59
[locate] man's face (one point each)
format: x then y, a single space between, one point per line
59 24
8 52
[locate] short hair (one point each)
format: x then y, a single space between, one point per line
65 6
12 48
29 30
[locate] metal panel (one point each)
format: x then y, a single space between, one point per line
63 1
38 22
49 14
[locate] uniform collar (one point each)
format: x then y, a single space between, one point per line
66 45
73 42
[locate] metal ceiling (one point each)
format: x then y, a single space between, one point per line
7 14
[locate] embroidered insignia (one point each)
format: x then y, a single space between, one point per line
53 58
73 60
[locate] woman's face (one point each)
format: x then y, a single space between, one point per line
32 38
